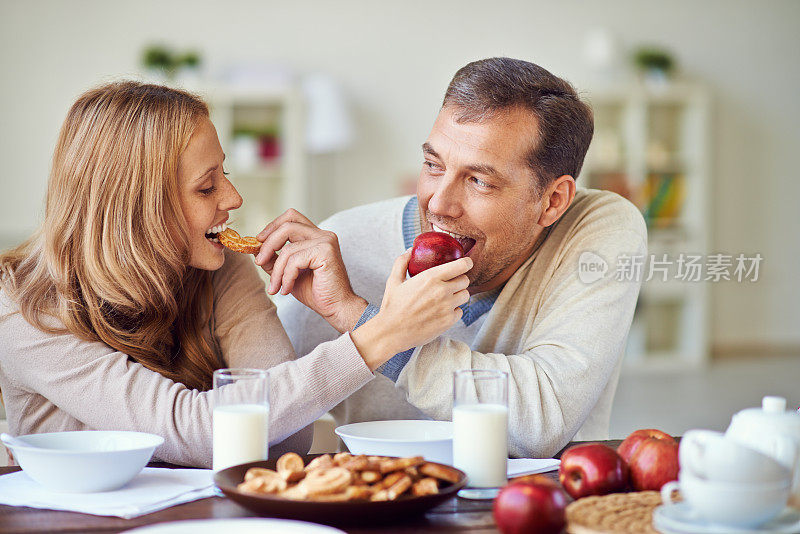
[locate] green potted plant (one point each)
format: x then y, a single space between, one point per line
159 62
188 69
655 64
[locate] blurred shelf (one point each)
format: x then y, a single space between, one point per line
669 168
670 93
662 362
262 171
672 229
268 183
607 170
222 95
658 290
666 224
651 146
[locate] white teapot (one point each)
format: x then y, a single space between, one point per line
766 429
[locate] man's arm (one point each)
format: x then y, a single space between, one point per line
565 362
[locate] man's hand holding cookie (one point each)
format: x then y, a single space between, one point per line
305 261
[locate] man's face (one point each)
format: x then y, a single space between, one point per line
476 183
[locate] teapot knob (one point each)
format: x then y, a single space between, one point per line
772 404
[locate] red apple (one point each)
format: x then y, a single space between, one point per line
536 478
632 442
523 507
653 464
592 469
432 249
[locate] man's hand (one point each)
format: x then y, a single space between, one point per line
310 267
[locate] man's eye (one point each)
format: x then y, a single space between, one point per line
480 183
431 165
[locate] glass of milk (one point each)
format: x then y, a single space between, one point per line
480 431
240 417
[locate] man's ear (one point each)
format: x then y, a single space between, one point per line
556 199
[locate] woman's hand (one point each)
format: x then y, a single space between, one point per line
310 267
414 311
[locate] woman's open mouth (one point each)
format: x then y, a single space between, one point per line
213 232
466 242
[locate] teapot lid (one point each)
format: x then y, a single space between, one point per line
772 411
772 404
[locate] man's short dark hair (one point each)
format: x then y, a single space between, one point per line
482 88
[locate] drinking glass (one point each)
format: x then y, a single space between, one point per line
480 431
240 417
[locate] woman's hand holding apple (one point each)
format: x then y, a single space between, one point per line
416 310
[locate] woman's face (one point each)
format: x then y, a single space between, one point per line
206 195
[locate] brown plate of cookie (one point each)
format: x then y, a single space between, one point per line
340 488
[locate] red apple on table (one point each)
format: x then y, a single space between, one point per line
431 249
653 464
592 469
536 478
632 442
523 507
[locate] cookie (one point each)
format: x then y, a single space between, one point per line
290 467
230 238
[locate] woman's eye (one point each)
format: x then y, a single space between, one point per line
207 191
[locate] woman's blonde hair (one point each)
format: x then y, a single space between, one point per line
110 262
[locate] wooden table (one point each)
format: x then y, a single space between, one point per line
455 515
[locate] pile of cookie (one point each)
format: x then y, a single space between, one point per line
345 477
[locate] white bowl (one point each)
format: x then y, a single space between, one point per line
431 439
85 461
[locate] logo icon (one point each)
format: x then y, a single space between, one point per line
591 267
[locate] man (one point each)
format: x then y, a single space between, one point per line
499 175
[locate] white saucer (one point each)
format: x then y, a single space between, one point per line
239 525
679 518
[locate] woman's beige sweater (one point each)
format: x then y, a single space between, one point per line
56 382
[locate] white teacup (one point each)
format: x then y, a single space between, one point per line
730 504
718 458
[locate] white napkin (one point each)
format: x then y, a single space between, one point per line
529 466
151 490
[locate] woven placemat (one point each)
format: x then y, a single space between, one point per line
618 513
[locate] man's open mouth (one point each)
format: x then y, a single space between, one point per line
466 242
213 232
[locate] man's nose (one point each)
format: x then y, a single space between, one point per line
446 200
231 199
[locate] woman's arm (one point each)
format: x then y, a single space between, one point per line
103 389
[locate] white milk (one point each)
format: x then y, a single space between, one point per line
480 443
240 434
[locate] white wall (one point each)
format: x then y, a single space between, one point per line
395 59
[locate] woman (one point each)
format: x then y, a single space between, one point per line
116 312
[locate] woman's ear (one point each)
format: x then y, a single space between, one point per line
556 199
